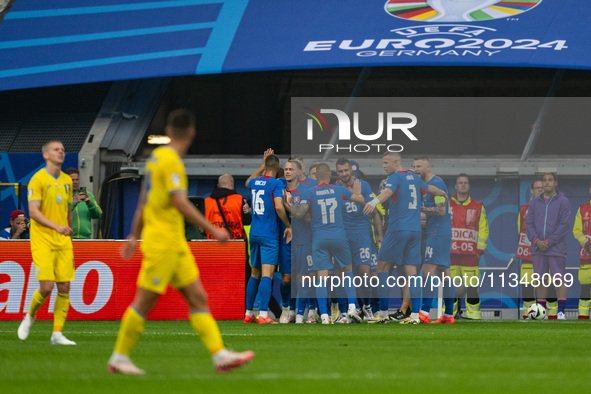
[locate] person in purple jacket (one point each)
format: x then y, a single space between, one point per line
548 223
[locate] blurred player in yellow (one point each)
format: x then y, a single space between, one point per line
167 258
50 193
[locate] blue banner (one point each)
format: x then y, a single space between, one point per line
65 41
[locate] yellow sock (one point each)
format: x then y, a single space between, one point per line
132 326
60 311
207 328
36 303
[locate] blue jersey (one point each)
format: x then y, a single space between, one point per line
405 204
309 182
326 203
354 219
300 231
264 219
438 225
282 239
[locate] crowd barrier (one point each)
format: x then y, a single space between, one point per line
105 283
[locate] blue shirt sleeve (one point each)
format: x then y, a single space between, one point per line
393 182
305 196
345 192
277 188
421 183
366 191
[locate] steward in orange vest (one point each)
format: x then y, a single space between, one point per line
231 204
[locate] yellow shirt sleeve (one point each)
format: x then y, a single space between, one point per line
35 189
175 178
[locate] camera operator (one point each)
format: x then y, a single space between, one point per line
84 207
19 226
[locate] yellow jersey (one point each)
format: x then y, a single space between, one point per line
55 195
164 226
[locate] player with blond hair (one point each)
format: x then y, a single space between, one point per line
50 193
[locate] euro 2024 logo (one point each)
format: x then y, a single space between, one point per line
347 131
457 10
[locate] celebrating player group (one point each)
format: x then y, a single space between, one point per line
336 231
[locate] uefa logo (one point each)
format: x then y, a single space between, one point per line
457 10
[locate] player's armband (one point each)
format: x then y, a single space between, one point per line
439 199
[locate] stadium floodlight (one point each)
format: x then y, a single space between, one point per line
158 139
5 6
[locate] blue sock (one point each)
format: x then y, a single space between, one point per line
285 295
350 291
415 289
302 298
383 291
321 295
429 293
251 292
343 305
312 302
265 293
561 304
449 297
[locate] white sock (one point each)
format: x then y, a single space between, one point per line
217 357
414 315
249 313
264 314
118 357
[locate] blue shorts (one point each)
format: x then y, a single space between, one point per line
438 251
401 247
360 248
301 256
329 254
373 266
263 250
285 258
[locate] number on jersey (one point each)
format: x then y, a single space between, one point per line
327 208
258 204
413 195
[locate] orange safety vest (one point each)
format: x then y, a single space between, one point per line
232 207
464 227
524 245
585 219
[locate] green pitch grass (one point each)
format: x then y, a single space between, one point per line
469 356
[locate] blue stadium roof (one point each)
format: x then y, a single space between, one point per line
58 42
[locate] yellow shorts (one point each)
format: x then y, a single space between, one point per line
527 270
161 267
458 270
585 274
55 265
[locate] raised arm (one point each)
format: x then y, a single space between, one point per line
260 171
